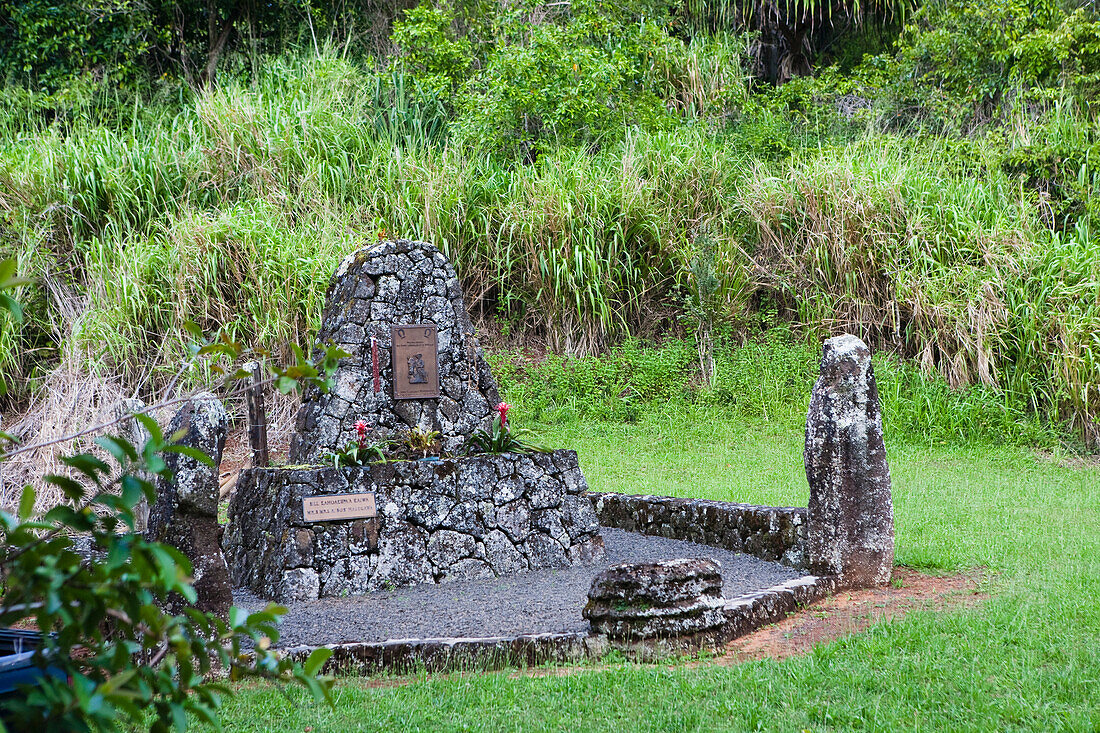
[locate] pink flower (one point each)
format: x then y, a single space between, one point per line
502 408
361 430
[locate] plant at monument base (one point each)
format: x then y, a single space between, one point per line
500 438
358 452
422 443
114 656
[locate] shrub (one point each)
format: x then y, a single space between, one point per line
121 657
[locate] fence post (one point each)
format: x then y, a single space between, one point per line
257 416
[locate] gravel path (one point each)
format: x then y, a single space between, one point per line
528 603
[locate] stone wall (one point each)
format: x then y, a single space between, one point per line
436 520
389 284
742 616
770 533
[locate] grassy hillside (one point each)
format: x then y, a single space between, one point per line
653 189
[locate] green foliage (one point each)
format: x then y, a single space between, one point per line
355 453
52 44
576 81
501 438
430 48
120 657
1058 160
421 443
616 386
234 210
766 379
961 63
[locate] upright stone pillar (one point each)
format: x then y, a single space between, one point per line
185 514
850 530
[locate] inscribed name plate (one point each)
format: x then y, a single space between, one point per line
415 361
338 506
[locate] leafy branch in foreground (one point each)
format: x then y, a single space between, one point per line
115 656
122 658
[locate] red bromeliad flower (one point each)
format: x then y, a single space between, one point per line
502 408
361 430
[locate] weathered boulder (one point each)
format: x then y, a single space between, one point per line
390 284
850 518
185 514
670 598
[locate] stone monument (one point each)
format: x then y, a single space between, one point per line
850 523
185 514
304 531
397 300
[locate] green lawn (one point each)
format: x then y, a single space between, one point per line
1028 659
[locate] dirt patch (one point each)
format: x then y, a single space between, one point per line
851 612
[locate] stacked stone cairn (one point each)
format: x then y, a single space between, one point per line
391 284
436 519
185 513
661 606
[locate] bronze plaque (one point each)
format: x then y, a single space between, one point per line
338 506
415 361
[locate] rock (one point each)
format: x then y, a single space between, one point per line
467 569
348 575
544 551
402 558
203 421
387 284
185 512
364 535
670 598
445 548
502 554
850 518
299 584
299 550
515 519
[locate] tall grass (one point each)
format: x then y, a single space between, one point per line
234 208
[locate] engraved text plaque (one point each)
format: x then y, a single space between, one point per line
415 361
338 506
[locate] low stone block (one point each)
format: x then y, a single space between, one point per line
673 598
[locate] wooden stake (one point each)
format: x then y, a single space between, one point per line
257 417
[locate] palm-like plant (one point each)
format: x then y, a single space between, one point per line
500 438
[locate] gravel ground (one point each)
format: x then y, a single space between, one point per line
539 601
